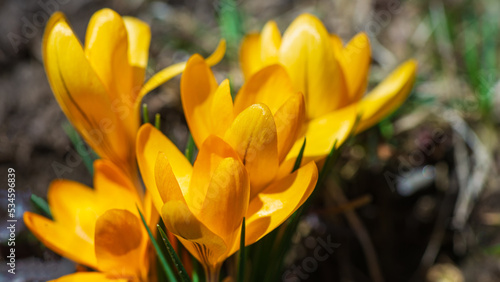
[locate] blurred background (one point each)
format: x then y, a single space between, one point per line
413 199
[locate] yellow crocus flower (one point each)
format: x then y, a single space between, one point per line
332 77
204 204
99 228
261 125
100 86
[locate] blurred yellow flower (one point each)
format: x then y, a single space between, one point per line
99 228
204 204
332 77
100 86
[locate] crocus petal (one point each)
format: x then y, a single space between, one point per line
119 243
308 55
213 151
204 244
260 50
221 109
208 109
253 136
270 86
139 37
114 188
270 41
355 61
150 142
60 239
106 47
89 276
53 21
289 121
337 42
321 134
278 201
225 201
387 96
250 59
172 194
166 182
173 70
198 85
75 206
76 87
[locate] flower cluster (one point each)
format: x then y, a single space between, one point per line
306 84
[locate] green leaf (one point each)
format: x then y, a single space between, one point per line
177 262
198 272
42 205
163 261
157 121
242 257
230 24
87 154
298 161
145 113
190 148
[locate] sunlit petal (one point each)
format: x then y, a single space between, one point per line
198 85
114 188
308 55
221 111
273 205
321 133
119 243
106 48
150 142
289 121
250 58
226 200
270 41
61 239
77 88
253 136
75 206
355 60
167 73
270 86
205 245
387 96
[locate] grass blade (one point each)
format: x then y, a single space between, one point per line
178 264
163 261
87 154
230 24
298 161
190 148
42 205
242 257
157 121
145 113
